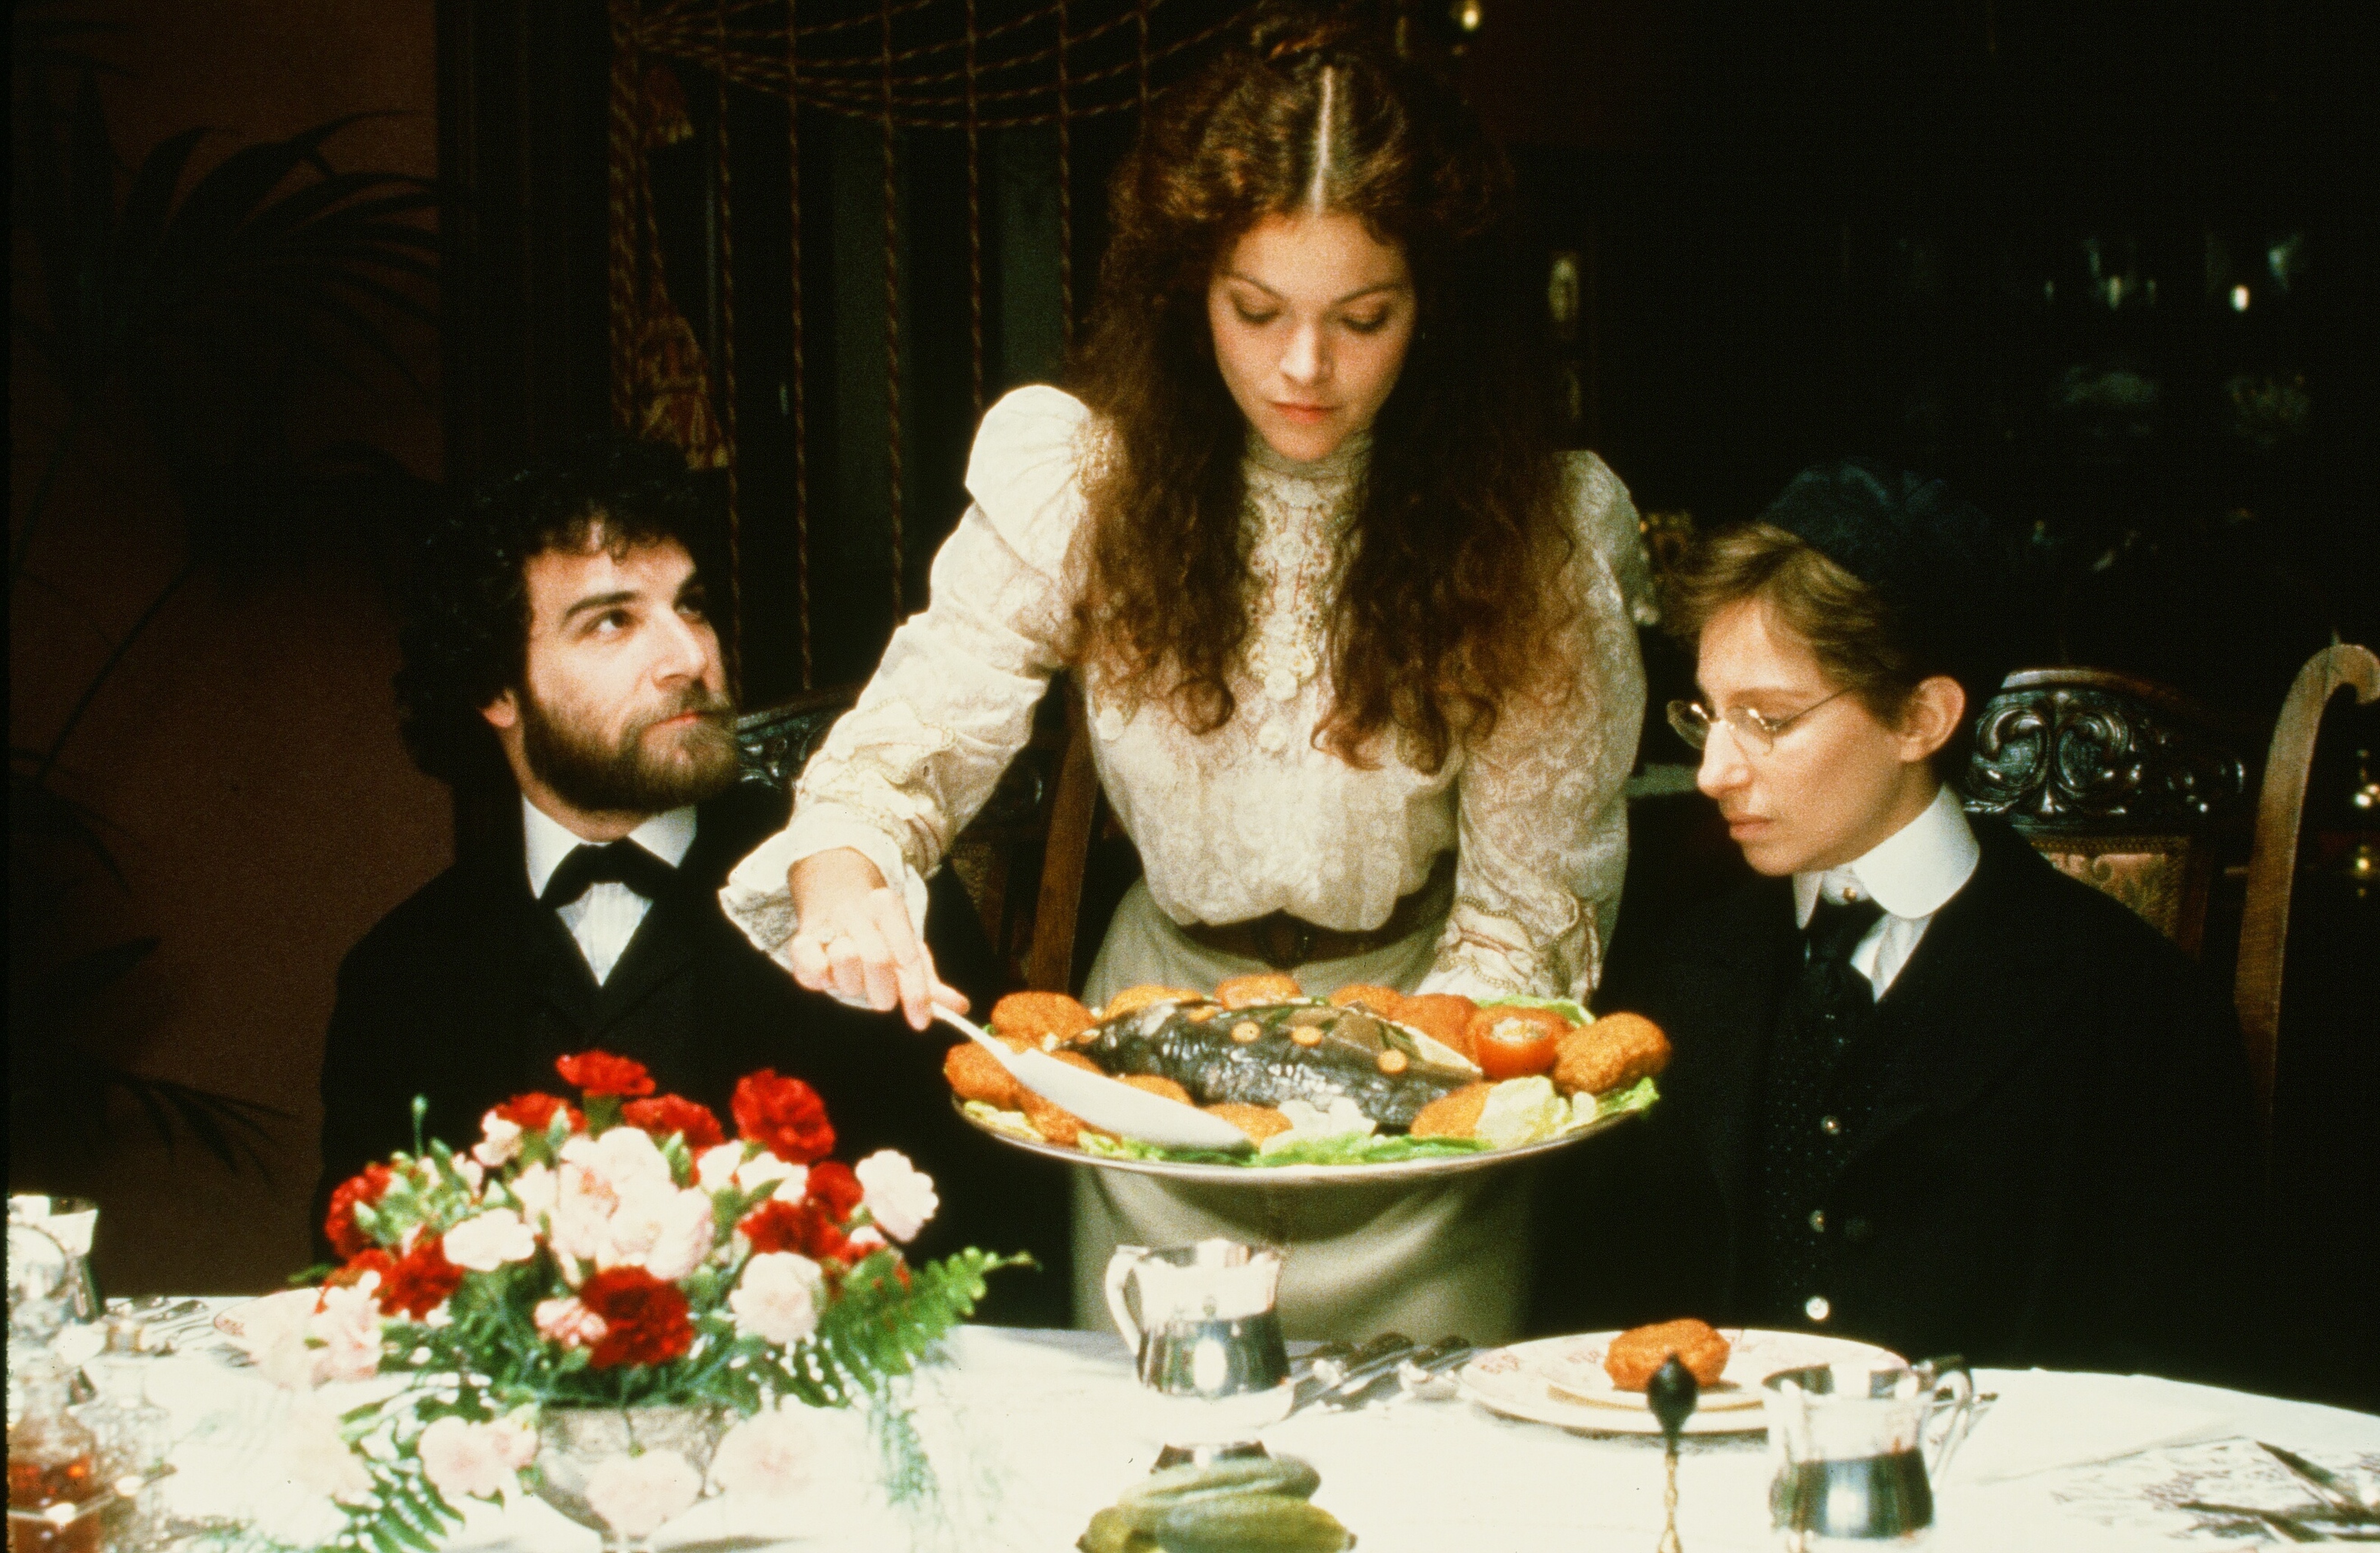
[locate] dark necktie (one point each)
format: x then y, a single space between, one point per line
621 863
1830 989
1806 1135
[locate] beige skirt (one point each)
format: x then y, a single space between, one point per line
1429 1259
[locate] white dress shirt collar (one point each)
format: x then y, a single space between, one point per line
1910 873
667 835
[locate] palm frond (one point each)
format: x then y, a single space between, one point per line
39 815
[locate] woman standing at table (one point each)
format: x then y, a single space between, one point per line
1361 677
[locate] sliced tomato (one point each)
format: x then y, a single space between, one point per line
1514 1042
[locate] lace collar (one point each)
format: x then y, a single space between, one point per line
1343 462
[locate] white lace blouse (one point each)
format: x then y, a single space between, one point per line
1254 817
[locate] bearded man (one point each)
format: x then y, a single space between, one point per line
562 623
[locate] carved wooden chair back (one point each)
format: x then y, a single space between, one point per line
997 856
2273 857
773 744
2140 791
2128 785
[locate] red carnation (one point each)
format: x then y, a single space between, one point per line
599 1073
783 1116
534 1112
420 1282
835 1187
346 1237
802 1226
667 1113
644 1319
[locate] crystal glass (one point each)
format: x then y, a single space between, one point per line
71 1222
625 1472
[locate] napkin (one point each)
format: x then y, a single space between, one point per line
2045 1419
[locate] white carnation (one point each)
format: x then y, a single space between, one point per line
897 1196
486 1241
779 1297
499 1142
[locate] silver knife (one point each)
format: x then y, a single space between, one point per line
1409 1371
1381 1353
1387 1376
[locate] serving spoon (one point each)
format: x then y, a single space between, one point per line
1103 1102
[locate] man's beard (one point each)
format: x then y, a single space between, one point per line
624 777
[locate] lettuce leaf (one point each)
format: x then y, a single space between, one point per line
1636 1097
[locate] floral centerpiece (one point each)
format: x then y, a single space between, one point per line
619 1257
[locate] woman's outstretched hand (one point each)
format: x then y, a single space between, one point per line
856 943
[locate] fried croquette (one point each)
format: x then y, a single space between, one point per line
1444 1017
1636 1354
1382 1000
1053 1121
1612 1053
1157 1083
1453 1115
1029 1016
1258 1122
975 1074
1264 986
1132 999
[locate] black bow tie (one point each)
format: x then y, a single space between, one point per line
621 863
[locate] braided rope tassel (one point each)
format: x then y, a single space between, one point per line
1066 198
975 227
727 363
1140 52
622 149
794 370
891 321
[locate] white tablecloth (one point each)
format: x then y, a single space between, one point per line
1033 1431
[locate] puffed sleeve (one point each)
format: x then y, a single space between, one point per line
903 772
1607 516
1541 804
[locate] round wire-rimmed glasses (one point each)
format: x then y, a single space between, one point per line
1756 733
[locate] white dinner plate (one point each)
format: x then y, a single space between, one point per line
1573 1366
1516 1381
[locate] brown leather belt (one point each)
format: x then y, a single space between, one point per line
1283 941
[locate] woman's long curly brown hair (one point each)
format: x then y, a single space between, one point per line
1446 598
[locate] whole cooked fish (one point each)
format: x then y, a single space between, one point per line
1273 1052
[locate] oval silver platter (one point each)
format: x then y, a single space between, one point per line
1301 1175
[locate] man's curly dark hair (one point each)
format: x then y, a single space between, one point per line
463 630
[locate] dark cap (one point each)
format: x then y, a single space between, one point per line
1935 559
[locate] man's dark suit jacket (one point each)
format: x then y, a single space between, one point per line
2059 1174
468 991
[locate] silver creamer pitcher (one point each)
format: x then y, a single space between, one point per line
1206 1338
1849 1443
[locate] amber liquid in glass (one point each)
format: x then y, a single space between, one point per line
39 1485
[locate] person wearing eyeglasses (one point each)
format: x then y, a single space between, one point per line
1928 1091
